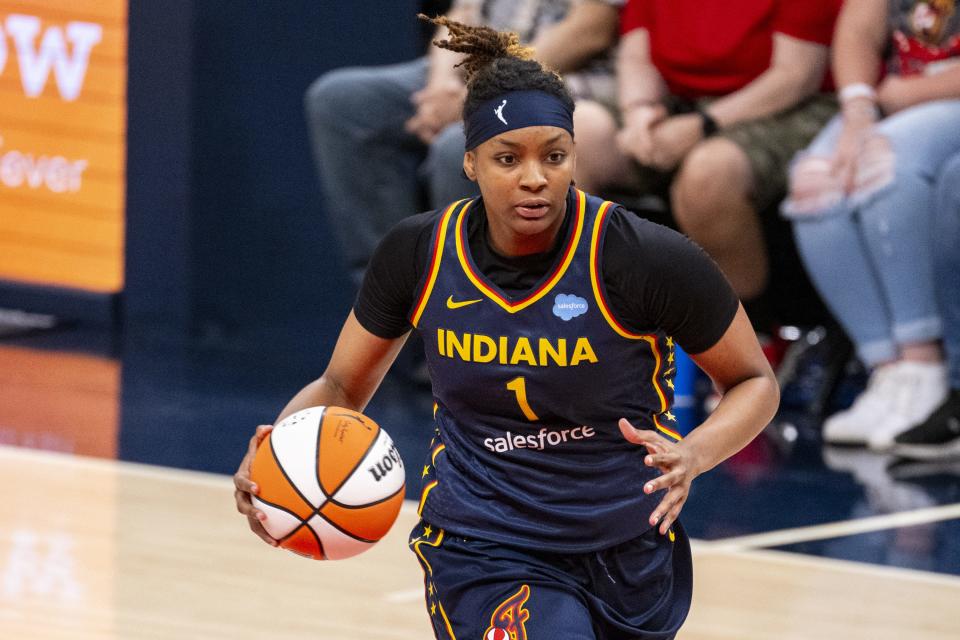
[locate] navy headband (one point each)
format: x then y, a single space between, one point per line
516 110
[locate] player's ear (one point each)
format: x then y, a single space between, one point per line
470 165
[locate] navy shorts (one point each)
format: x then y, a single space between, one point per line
481 590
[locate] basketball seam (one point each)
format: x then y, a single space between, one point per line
284 509
356 466
304 523
323 552
350 417
366 504
317 466
276 459
342 530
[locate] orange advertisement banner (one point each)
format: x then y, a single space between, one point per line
63 84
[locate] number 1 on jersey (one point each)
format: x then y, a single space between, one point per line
519 387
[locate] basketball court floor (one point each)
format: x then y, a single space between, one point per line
118 518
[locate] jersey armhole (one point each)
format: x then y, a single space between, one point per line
597 237
600 296
425 286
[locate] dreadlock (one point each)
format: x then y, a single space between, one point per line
496 63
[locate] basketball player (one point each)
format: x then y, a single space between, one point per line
553 484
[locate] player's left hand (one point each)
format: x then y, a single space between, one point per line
673 139
677 468
245 487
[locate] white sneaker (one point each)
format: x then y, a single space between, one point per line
854 426
916 390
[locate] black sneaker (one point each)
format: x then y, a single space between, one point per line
937 437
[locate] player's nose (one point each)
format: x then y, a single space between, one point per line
532 176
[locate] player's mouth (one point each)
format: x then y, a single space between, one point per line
532 208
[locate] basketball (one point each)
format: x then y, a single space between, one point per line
331 482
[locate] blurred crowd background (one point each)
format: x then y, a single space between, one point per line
218 174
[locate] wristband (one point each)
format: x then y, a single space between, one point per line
857 90
707 122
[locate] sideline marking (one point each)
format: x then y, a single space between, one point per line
834 529
404 597
111 465
889 572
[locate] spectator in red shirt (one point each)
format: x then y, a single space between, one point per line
714 100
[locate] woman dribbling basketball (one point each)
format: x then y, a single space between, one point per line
554 481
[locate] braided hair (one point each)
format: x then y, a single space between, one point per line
496 63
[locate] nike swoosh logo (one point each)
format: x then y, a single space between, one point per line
451 304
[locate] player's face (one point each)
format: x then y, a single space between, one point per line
524 175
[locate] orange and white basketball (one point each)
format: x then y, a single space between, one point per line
330 482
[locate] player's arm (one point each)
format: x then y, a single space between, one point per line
360 361
751 395
681 290
366 346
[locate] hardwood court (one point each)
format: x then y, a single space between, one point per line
100 549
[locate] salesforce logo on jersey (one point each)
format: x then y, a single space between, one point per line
568 306
538 441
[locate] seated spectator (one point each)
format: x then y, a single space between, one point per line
714 99
382 136
862 204
939 435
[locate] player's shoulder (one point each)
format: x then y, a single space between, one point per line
417 224
641 247
412 233
633 232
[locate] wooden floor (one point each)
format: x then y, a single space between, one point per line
92 548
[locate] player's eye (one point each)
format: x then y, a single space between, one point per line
557 157
506 159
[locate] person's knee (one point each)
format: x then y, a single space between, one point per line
814 186
596 143
712 172
594 124
877 167
334 94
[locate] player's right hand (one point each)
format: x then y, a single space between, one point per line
245 487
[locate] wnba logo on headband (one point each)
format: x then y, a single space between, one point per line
527 109
499 112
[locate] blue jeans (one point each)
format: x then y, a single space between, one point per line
372 171
946 262
869 252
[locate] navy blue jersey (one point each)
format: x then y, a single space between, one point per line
529 390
